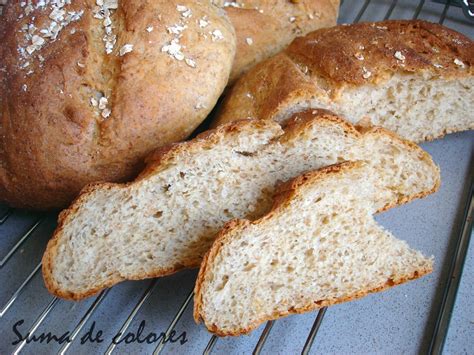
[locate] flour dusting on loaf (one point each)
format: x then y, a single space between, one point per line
90 88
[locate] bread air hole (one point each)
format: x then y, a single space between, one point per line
276 287
224 281
249 267
245 154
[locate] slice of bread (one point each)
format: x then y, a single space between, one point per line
167 219
414 78
319 246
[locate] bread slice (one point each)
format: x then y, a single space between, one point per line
414 78
319 246
167 219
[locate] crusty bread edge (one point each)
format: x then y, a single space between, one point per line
423 156
299 121
156 162
307 308
283 196
159 160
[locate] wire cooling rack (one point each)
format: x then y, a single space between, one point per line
42 307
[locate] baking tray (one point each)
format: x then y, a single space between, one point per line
404 319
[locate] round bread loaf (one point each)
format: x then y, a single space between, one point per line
90 87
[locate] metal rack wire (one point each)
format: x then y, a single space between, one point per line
6 214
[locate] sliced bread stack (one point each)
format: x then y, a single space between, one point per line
167 219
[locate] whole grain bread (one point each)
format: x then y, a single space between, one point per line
265 27
167 219
71 113
412 77
319 246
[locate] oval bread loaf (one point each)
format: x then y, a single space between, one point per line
89 88
414 78
265 27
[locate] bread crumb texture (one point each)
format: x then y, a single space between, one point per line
167 219
318 246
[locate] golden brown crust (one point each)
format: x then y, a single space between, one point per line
282 197
53 141
296 126
333 53
265 27
327 61
300 121
317 304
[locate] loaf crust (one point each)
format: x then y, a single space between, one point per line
53 141
283 196
265 27
327 62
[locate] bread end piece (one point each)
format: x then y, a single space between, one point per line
414 78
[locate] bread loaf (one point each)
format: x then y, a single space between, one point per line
167 219
89 90
414 78
317 247
265 27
